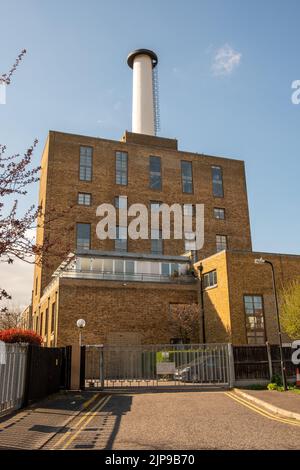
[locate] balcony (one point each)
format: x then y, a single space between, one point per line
127 268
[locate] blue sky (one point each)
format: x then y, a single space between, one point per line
225 74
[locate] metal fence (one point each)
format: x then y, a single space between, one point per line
157 365
12 376
261 362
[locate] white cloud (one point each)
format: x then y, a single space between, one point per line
225 60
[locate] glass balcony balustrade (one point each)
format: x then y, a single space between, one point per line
117 269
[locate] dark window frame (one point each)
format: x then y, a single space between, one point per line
92 159
53 314
155 252
117 206
226 237
263 315
121 239
206 275
220 209
127 172
182 179
83 223
84 194
160 173
222 180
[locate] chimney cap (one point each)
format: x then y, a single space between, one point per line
133 54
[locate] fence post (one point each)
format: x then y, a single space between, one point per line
231 366
102 366
269 360
82 368
27 376
75 367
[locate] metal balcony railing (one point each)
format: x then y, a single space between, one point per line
141 277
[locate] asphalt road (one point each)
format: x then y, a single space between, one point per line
152 421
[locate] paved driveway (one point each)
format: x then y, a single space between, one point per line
161 420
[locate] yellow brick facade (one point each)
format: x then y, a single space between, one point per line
139 311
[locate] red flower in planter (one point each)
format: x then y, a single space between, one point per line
18 335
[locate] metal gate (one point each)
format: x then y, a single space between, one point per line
171 365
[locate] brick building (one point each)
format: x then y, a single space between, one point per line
124 288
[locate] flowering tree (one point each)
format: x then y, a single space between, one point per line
184 321
16 175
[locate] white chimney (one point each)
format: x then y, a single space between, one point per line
142 61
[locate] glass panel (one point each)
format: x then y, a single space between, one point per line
108 265
188 209
187 177
121 168
219 213
221 242
217 181
119 266
254 319
155 205
84 199
210 279
86 158
154 268
156 241
129 267
174 267
83 236
165 268
121 202
155 172
97 265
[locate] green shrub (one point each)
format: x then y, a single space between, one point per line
276 379
272 386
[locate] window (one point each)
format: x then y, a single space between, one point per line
121 239
188 209
221 242
156 241
53 318
129 267
121 168
155 172
219 213
36 285
41 324
86 161
186 177
189 241
155 206
210 279
165 269
217 181
121 202
119 266
46 322
108 266
84 199
83 236
255 324
174 268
